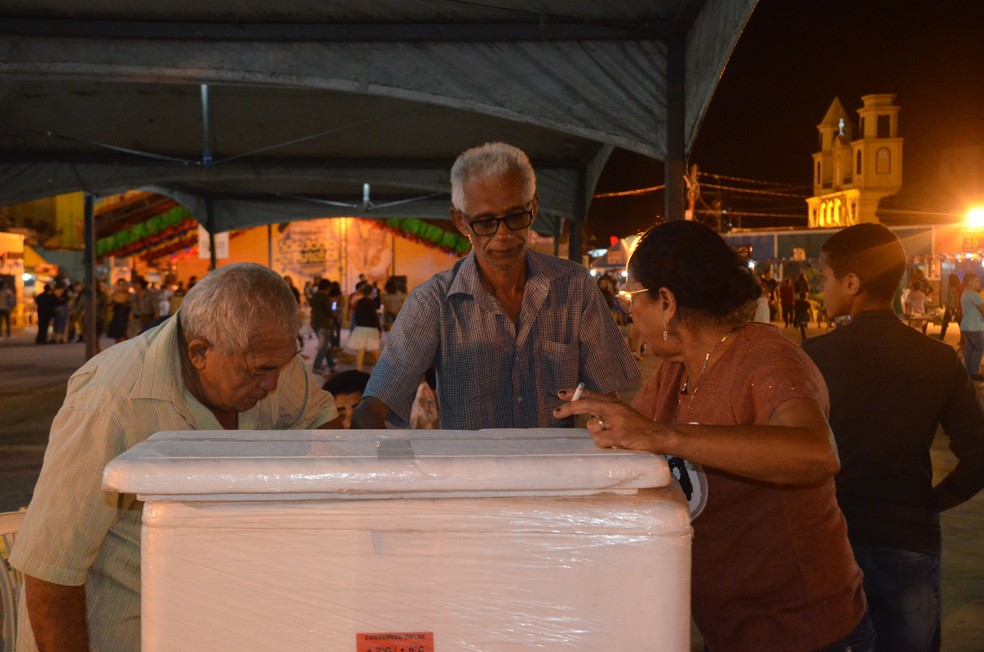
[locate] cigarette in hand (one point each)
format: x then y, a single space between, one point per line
577 392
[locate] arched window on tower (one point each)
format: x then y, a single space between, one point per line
858 165
883 161
818 173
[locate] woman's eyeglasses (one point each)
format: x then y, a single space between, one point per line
624 300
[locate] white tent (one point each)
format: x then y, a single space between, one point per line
252 112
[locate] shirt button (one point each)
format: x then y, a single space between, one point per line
519 399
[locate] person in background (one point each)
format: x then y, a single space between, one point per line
120 303
762 314
802 310
787 301
972 324
952 310
45 303
310 288
147 304
393 299
321 317
739 411
8 301
346 387
59 324
365 335
337 308
801 285
917 300
228 360
891 388
177 297
920 282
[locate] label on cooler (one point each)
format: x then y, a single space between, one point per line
395 642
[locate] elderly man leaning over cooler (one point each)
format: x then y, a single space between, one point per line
505 327
228 360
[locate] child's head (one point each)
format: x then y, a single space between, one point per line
347 387
864 259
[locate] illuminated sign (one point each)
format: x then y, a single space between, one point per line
972 241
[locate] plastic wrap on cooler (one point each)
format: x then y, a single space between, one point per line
407 540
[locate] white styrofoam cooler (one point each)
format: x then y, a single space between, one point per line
407 541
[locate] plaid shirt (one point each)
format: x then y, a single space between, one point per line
492 373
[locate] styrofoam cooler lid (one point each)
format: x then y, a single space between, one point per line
277 464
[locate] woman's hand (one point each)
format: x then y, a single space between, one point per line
613 424
794 447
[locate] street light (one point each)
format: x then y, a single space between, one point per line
975 217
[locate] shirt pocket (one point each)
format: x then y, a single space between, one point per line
559 363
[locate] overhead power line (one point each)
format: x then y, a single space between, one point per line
628 193
752 214
763 183
752 191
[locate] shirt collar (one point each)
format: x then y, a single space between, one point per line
874 314
160 373
541 269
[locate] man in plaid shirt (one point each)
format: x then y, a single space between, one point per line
505 327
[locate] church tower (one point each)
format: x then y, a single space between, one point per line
850 176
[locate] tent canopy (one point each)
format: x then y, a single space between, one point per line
251 112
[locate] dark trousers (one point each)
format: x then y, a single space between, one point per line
860 639
44 321
947 316
904 597
324 350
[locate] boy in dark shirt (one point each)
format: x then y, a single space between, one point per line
890 388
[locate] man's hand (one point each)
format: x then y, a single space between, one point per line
370 414
57 615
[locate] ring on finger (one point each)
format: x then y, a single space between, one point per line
601 424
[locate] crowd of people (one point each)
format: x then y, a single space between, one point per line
806 469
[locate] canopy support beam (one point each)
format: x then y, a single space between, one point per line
89 331
676 157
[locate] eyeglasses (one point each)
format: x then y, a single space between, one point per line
624 300
514 222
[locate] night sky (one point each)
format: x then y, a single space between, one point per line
792 59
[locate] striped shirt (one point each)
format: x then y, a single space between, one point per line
491 372
75 533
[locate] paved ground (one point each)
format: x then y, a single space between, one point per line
32 387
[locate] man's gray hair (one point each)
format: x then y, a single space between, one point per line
229 304
490 160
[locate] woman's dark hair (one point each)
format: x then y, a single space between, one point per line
693 261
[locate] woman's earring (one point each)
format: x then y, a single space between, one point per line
666 333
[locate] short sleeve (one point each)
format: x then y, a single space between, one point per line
772 372
606 362
70 514
410 350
